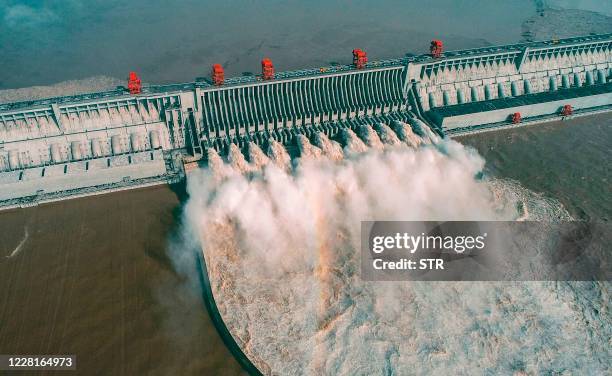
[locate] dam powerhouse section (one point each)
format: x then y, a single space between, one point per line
76 145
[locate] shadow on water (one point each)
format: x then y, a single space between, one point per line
213 311
180 190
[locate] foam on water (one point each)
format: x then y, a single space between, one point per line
282 254
17 249
529 205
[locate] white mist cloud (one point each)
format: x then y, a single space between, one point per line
283 256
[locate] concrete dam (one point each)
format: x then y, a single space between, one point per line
141 135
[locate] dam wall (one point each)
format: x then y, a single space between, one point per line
55 134
488 74
249 111
450 92
72 176
471 115
498 72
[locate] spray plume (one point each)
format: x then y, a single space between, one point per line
282 254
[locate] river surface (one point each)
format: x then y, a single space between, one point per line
93 276
169 42
46 42
567 160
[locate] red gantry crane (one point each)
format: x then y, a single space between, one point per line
516 118
134 85
218 75
567 110
267 69
436 48
360 58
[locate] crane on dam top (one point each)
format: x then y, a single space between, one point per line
267 69
134 85
567 110
436 48
360 58
516 118
218 75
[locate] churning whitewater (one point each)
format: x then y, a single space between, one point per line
281 241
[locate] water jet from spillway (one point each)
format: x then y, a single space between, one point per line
387 135
352 143
307 150
405 133
302 226
331 149
256 156
370 137
279 155
237 160
216 165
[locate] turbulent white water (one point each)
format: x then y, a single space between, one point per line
331 149
352 143
257 156
280 156
282 253
405 133
307 150
237 160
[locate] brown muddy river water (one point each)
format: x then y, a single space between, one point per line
567 160
93 278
